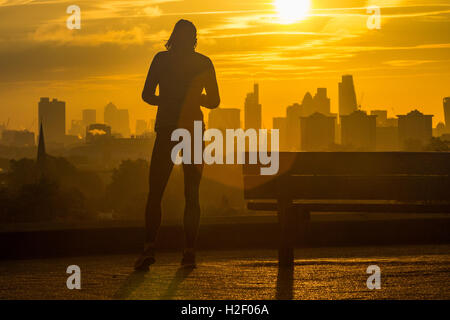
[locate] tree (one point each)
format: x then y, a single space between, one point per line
129 187
57 191
436 144
44 200
21 172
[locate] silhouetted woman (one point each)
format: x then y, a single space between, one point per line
181 74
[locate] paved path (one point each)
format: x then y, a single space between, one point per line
408 272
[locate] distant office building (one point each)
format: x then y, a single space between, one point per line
308 106
317 132
141 127
447 113
391 122
52 115
118 119
386 132
89 116
281 123
97 132
347 96
414 130
18 138
337 133
224 118
321 102
293 114
124 122
252 109
439 130
358 130
381 117
387 138
110 113
77 128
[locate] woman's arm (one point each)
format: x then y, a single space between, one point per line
148 94
211 99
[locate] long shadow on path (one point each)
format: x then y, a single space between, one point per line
285 283
181 274
131 283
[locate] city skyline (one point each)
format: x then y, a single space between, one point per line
54 112
319 103
309 126
77 114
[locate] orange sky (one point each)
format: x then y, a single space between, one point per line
402 66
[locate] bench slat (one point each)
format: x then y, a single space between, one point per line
356 207
359 163
348 187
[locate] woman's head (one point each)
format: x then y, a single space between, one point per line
183 37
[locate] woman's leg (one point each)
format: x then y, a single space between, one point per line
192 177
160 168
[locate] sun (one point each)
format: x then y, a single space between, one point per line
290 11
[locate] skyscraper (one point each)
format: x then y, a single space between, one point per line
381 117
447 114
224 118
359 130
281 123
141 127
123 122
77 128
293 114
317 132
110 113
252 109
52 116
347 96
321 101
89 116
386 132
415 130
308 106
118 119
387 138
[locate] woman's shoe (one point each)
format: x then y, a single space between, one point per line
188 260
146 259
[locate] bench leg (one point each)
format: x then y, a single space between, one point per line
286 256
286 217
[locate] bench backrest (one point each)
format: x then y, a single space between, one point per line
353 176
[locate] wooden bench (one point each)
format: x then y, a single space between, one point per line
347 182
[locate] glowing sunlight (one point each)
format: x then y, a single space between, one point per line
290 11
